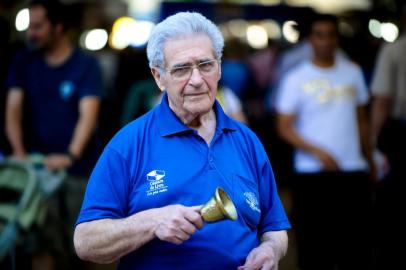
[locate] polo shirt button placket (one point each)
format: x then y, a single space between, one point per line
210 160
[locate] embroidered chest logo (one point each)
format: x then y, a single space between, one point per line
156 182
252 201
66 89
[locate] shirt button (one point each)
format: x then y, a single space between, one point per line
211 159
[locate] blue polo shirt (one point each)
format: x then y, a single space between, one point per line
157 161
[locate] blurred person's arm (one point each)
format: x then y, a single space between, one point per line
14 117
88 114
380 111
267 255
365 138
288 132
107 240
383 85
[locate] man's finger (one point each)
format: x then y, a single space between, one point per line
194 216
188 228
252 263
196 208
181 235
269 266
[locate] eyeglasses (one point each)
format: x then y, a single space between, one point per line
181 73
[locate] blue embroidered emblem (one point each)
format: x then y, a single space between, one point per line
66 89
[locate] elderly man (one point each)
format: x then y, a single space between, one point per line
142 204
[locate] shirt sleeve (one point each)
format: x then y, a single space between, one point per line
92 81
107 190
287 98
16 72
361 88
273 216
383 78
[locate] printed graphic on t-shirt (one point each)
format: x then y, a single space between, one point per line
323 92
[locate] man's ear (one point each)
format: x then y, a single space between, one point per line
158 78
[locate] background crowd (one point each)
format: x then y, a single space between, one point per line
344 93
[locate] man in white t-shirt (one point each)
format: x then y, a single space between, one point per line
320 105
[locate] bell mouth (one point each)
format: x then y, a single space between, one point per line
226 205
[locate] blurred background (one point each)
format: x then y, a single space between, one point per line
256 32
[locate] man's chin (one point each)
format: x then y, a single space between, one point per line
199 108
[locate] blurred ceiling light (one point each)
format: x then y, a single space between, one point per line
374 27
121 33
272 28
289 31
130 32
141 33
142 6
332 6
238 27
389 31
225 31
94 40
22 20
270 2
257 37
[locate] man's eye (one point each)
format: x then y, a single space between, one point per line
206 66
180 71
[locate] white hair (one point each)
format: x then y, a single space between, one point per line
179 25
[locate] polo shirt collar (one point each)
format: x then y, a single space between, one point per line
224 122
169 124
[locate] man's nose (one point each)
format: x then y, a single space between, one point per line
196 77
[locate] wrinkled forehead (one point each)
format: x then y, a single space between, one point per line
188 48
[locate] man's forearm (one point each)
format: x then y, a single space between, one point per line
89 111
107 240
14 111
380 111
287 131
15 137
278 240
365 135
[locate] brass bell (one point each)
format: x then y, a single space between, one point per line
219 207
